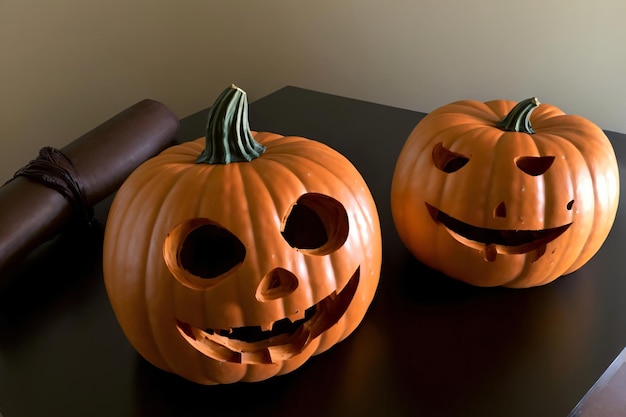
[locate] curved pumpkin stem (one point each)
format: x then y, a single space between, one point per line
518 119
228 135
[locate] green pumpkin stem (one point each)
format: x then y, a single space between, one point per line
518 119
228 135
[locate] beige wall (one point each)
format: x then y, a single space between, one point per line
67 65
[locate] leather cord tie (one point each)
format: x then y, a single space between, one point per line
53 169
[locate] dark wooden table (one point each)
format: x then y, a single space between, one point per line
429 346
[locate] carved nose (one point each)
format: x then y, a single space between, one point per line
278 283
500 210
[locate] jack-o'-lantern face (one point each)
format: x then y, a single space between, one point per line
493 241
241 268
201 254
491 205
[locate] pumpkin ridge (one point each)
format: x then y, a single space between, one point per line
461 122
153 259
125 198
491 171
542 144
586 164
462 108
476 131
296 145
237 199
114 288
546 112
580 132
183 153
246 172
289 160
499 108
599 205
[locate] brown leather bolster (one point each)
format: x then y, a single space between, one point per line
63 185
55 170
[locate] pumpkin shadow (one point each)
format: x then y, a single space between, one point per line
159 393
334 383
54 277
464 344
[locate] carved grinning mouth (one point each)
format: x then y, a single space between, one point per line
495 241
252 344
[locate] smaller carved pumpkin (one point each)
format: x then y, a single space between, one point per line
507 194
238 256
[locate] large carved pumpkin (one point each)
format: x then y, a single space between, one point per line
238 256
507 194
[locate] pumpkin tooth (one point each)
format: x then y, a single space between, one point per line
221 332
259 356
491 252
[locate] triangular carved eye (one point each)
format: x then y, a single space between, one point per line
534 165
446 160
